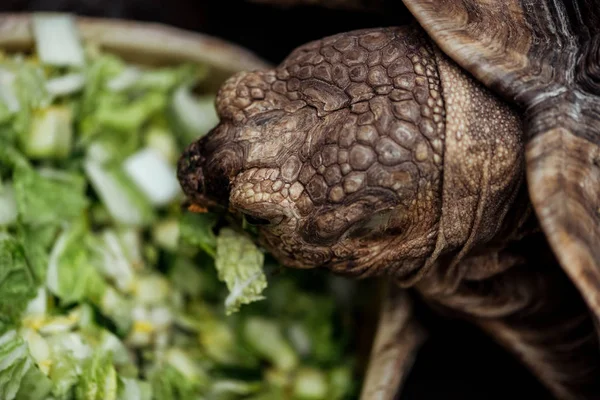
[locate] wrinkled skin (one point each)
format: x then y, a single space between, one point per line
341 154
372 153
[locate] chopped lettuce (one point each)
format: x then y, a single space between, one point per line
68 351
17 281
57 40
234 389
197 230
125 80
122 199
20 377
133 389
71 274
100 70
37 242
98 378
8 205
195 116
310 384
154 176
240 265
117 112
108 288
48 199
170 384
162 140
51 133
267 339
166 234
66 84
10 101
30 89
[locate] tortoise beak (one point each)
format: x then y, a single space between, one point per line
205 170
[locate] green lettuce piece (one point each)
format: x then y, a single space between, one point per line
193 116
218 338
17 281
37 242
48 199
117 308
34 385
133 389
159 137
266 338
193 280
98 378
197 230
229 389
310 384
220 343
169 384
57 40
102 68
10 156
239 263
269 394
309 319
186 364
9 103
101 339
30 88
8 205
51 133
18 372
68 351
341 381
5 112
71 274
125 203
110 147
117 112
167 79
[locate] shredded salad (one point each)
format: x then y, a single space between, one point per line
109 288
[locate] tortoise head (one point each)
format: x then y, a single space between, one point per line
337 154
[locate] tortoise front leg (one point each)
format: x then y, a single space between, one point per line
397 340
528 305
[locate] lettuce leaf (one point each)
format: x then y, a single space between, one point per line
125 203
133 389
49 199
17 282
266 338
37 242
196 230
98 378
19 376
71 274
30 87
169 384
68 351
239 263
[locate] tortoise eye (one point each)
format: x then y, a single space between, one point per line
252 220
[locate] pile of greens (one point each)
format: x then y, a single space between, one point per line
108 288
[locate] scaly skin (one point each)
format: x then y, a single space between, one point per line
372 153
356 157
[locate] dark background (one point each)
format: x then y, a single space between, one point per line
457 362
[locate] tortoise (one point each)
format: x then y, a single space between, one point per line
456 157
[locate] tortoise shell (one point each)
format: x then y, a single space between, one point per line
457 157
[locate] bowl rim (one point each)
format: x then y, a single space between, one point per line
148 38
